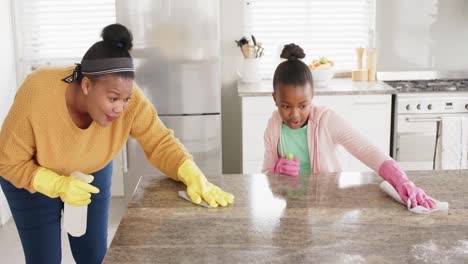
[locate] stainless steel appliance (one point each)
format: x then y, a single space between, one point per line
177 58
422 100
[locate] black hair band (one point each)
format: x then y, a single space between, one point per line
101 66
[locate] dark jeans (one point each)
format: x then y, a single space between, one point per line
38 220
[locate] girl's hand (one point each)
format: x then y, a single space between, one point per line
286 166
391 172
417 196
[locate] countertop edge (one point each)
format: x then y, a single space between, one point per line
244 91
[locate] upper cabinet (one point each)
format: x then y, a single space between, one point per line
420 35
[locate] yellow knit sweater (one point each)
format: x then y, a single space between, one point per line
39 132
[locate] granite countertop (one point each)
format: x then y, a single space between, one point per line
338 86
323 218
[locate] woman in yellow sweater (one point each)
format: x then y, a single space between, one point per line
78 118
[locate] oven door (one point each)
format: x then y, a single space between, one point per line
416 141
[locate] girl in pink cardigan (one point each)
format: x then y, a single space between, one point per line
301 138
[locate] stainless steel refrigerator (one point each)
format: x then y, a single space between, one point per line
177 58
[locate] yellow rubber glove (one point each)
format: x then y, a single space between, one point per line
70 189
199 187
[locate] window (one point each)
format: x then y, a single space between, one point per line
55 32
330 28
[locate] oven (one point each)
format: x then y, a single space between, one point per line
416 141
420 107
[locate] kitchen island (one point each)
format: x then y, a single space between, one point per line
318 218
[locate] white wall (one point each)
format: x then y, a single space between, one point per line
419 35
231 23
7 80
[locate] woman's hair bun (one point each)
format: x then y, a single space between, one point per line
292 52
117 35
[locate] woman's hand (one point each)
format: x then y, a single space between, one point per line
198 187
71 190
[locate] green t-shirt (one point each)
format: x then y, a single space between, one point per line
295 141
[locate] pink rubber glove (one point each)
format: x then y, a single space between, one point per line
391 172
286 166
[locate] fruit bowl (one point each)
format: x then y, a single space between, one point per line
322 77
322 71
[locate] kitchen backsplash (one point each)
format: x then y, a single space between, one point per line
416 35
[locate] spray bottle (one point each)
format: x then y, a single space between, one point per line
75 218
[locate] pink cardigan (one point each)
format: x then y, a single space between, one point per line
325 130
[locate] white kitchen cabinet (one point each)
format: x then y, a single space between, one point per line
370 114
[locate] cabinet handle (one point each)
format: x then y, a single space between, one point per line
124 158
372 103
417 120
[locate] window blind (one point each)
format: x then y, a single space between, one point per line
330 28
55 32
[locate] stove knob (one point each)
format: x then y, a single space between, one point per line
418 107
408 107
429 106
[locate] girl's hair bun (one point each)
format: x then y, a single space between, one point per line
292 52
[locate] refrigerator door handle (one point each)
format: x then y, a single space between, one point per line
124 158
